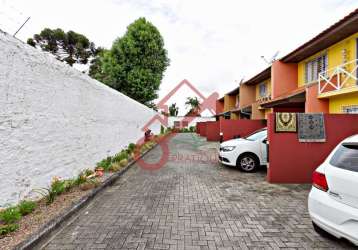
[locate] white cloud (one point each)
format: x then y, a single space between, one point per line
210 43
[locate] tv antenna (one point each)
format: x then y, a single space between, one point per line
273 58
239 82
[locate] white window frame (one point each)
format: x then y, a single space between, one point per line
263 85
314 67
350 109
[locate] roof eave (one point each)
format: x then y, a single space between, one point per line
262 76
335 33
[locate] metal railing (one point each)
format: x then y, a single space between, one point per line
337 77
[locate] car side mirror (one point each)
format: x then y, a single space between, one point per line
264 141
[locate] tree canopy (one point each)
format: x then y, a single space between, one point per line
136 62
69 47
193 104
173 109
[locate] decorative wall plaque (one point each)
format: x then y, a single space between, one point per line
311 128
286 122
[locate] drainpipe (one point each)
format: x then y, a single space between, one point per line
221 133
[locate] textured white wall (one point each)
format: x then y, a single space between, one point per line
56 121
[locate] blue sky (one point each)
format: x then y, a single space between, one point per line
210 43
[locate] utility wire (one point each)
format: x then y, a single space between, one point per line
21 26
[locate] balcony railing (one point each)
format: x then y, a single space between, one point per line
337 78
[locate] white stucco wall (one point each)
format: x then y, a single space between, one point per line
172 119
55 120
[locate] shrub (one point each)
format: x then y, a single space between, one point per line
26 207
124 155
161 129
131 147
192 128
143 148
81 178
10 215
88 172
123 162
89 184
5 229
58 186
46 193
69 184
115 167
120 156
105 163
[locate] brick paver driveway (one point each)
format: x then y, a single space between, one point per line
189 204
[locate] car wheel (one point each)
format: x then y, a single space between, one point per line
321 232
248 163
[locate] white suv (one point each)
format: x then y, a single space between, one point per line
246 153
333 200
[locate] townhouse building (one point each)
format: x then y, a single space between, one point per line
319 76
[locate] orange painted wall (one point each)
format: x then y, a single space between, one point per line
247 95
219 107
313 104
229 102
284 78
256 112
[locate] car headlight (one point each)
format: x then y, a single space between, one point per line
227 148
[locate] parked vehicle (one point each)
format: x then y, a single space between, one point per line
333 200
246 153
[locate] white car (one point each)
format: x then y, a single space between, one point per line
333 200
246 153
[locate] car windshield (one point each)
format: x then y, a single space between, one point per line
257 136
346 157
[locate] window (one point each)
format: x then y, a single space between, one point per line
346 157
177 124
350 109
185 124
314 67
262 89
257 136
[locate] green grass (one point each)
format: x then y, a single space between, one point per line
5 229
26 207
10 215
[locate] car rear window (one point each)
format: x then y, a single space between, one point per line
346 157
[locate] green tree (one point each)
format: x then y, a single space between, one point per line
69 47
136 63
95 69
173 109
194 105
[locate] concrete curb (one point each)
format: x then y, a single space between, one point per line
56 222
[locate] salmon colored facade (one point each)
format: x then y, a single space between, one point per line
283 77
319 76
229 102
219 106
247 95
